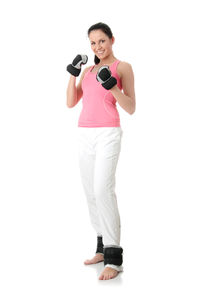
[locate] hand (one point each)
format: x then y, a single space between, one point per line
104 76
75 67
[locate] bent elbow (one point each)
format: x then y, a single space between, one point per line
132 111
133 106
68 106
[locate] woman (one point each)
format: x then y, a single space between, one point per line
99 137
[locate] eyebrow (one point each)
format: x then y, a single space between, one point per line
98 40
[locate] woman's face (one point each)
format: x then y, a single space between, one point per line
101 44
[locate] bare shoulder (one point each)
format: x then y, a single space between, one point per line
86 69
124 68
83 73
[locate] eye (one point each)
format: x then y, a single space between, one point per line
102 41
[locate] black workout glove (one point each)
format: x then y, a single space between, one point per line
104 76
75 67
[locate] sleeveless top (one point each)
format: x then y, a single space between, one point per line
98 104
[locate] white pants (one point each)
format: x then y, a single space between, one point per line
99 149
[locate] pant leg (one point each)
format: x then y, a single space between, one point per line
86 156
108 148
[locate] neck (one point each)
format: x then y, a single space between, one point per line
108 60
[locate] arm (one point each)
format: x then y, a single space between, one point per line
127 99
71 93
74 93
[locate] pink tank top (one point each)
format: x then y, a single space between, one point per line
98 105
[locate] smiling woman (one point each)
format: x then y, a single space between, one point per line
101 41
99 139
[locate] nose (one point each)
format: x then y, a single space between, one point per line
99 47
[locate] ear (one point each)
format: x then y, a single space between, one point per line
112 40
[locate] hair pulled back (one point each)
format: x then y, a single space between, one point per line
103 27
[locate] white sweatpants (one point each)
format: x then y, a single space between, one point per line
99 149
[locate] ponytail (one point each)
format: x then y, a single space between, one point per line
96 60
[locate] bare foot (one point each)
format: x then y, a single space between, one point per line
108 273
97 258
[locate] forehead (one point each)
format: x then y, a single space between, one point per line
96 35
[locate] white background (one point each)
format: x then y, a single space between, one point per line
45 231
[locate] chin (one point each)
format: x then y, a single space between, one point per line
103 57
99 56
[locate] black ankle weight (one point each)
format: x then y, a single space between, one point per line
72 70
109 83
99 245
113 256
